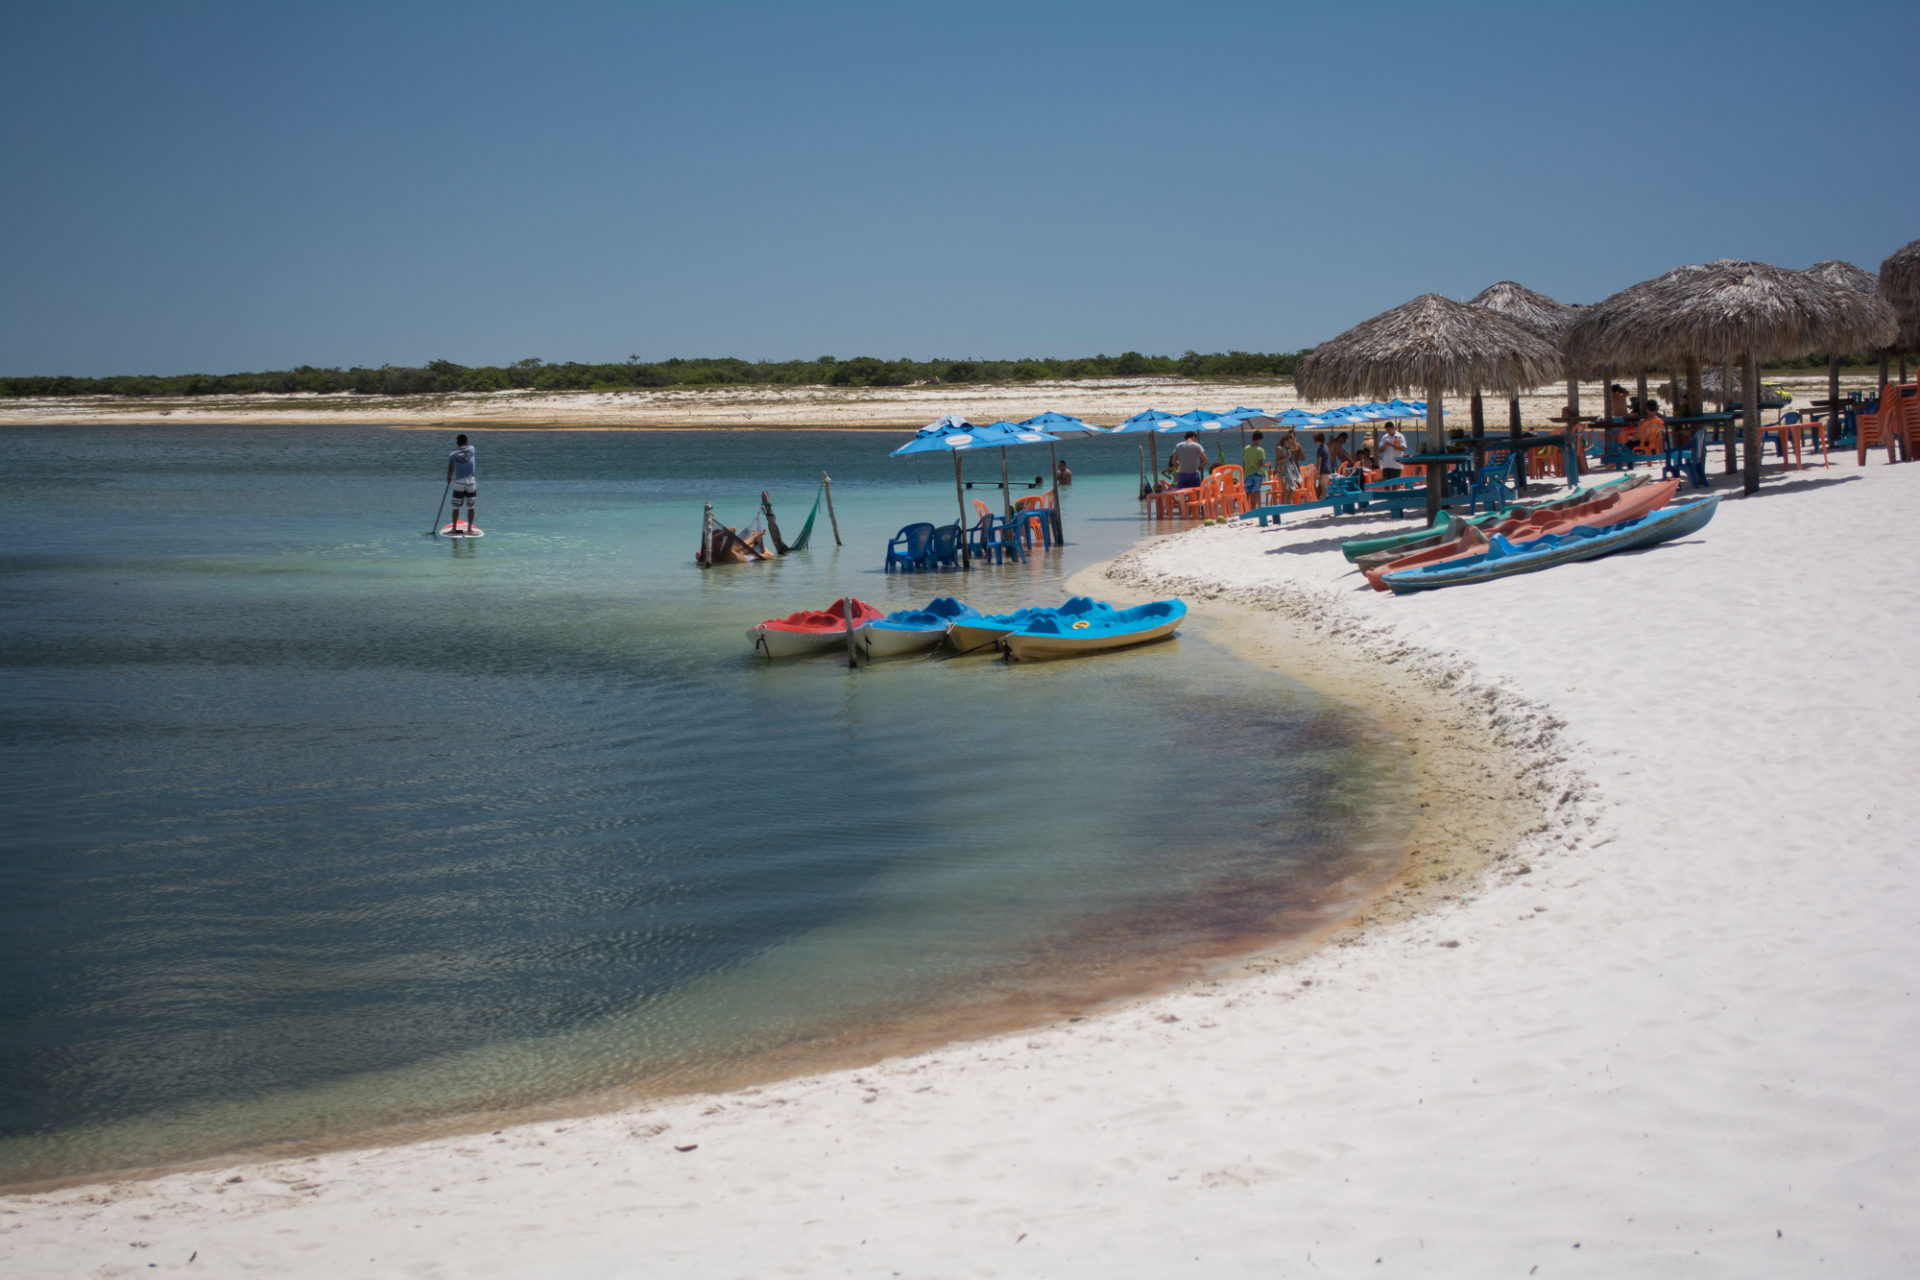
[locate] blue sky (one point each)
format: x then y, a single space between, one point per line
222 187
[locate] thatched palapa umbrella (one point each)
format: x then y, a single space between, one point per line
1900 286
1537 312
1724 311
1844 275
1430 345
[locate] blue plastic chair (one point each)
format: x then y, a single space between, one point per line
1689 461
944 551
1493 486
997 541
908 548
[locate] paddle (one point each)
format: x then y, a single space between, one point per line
434 532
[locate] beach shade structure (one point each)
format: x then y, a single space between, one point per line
1900 286
1061 426
948 434
1437 345
1844 275
1545 316
1004 435
1147 421
1722 312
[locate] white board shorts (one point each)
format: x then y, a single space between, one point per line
464 489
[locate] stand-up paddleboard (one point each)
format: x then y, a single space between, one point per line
461 529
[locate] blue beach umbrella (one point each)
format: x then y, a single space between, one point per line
1148 421
949 434
1003 434
1062 426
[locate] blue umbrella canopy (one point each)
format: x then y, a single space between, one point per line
1145 420
1008 433
1234 417
1193 420
1297 418
949 438
1061 425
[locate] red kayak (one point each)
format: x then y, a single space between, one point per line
810 630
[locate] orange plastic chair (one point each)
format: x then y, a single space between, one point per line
1909 428
1881 427
1652 439
1787 431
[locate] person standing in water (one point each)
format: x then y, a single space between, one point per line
460 475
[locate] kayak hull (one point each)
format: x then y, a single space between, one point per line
1504 559
969 635
810 630
887 640
1058 637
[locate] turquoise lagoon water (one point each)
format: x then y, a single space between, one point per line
314 825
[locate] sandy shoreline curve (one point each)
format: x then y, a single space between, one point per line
1672 1034
1468 804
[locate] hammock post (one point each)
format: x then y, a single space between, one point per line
766 505
846 611
826 483
704 558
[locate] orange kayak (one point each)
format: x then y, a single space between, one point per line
1608 508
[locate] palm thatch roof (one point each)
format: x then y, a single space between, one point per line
1721 313
1900 277
1844 275
1430 343
1535 310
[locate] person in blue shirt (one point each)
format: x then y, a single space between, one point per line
460 475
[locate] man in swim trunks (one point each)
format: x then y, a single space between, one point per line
1253 468
1189 462
460 477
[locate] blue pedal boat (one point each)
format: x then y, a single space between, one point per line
971 634
1061 635
1502 559
907 630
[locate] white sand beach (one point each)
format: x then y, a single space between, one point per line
1674 1032
1104 402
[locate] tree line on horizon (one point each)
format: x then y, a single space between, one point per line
439 377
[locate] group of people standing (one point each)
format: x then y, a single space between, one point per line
1331 457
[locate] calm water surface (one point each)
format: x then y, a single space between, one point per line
313 824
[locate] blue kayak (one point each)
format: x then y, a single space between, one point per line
905 630
1059 634
982 632
1502 559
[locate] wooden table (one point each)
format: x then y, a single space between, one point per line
1436 465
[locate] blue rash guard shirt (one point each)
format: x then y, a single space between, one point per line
462 460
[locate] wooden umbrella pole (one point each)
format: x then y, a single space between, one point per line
1726 398
826 486
1143 469
1479 434
705 557
1059 531
1750 404
1696 403
1833 396
1436 472
960 496
1006 493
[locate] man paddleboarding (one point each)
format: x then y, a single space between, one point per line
465 490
